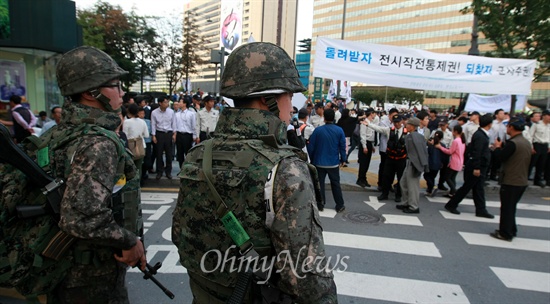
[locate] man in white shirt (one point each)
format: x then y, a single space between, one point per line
318 120
366 149
162 130
207 119
497 131
471 127
185 123
540 134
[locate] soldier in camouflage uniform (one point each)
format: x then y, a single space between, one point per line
247 150
94 170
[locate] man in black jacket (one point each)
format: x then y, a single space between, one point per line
475 170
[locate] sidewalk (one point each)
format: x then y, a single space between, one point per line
348 177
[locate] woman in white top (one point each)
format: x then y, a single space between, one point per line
135 127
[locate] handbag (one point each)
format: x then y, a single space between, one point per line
136 147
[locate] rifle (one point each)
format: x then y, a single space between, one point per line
149 273
61 242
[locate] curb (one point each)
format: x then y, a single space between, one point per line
491 189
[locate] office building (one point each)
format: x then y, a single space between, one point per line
239 20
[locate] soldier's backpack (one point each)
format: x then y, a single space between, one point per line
33 251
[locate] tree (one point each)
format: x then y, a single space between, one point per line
171 58
518 29
194 46
127 38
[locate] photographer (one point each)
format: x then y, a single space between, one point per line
294 134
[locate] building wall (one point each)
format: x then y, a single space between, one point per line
431 25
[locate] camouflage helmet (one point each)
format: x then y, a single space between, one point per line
85 68
257 67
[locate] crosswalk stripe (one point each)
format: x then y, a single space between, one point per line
402 220
157 214
148 224
397 289
522 221
517 243
495 204
381 244
523 279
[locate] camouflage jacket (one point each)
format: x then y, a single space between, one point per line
90 166
295 233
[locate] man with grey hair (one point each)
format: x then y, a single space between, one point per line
417 163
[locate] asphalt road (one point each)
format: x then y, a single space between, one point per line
431 257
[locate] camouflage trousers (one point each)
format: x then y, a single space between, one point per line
87 284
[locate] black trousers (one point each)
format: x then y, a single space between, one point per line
383 156
164 145
364 161
355 142
204 136
147 160
184 142
474 183
495 165
430 179
391 168
450 178
443 173
538 160
334 177
509 198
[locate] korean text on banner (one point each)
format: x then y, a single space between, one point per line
422 70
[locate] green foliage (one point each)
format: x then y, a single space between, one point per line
127 38
4 19
518 28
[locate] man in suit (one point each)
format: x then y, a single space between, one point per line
417 162
475 170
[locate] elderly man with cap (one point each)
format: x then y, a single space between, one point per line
417 162
207 118
396 155
515 157
318 120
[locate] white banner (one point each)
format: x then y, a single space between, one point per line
489 104
231 25
388 106
422 70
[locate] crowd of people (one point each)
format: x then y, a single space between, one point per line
435 145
